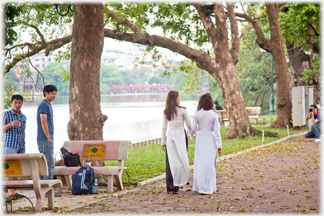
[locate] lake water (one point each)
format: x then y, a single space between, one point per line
130 117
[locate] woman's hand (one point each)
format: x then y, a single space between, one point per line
219 151
163 147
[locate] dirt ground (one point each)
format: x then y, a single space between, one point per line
282 178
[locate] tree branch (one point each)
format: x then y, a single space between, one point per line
208 23
39 73
314 28
262 99
203 60
125 22
261 40
234 33
39 33
49 46
256 100
29 45
57 43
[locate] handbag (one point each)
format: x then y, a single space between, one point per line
71 159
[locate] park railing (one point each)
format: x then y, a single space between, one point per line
145 141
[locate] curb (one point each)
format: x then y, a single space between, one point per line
157 178
160 177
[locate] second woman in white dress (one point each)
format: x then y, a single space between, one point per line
208 142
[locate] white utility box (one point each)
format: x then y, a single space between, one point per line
302 98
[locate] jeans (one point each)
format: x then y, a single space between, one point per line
315 132
47 148
8 150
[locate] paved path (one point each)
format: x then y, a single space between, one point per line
282 178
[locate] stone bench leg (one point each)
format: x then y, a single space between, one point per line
63 182
39 202
68 180
51 198
110 186
118 179
221 122
40 198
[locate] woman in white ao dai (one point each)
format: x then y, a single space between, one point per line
208 142
175 144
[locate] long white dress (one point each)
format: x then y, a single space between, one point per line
208 140
176 146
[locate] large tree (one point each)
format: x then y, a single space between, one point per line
275 46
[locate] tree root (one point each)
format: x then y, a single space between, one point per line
270 134
253 132
256 132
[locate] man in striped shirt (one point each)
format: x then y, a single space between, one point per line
14 125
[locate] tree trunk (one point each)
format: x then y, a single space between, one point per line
300 61
317 82
228 81
86 120
281 69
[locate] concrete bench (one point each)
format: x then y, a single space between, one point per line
98 150
253 113
35 165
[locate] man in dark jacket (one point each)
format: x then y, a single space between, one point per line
217 106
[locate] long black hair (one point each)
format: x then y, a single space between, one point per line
171 105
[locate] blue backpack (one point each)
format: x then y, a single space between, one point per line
83 181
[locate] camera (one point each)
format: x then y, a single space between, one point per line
310 109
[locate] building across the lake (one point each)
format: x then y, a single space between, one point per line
123 58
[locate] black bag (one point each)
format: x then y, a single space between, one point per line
71 160
64 151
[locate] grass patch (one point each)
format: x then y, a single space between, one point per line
265 119
148 162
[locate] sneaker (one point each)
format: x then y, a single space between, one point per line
55 194
318 140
